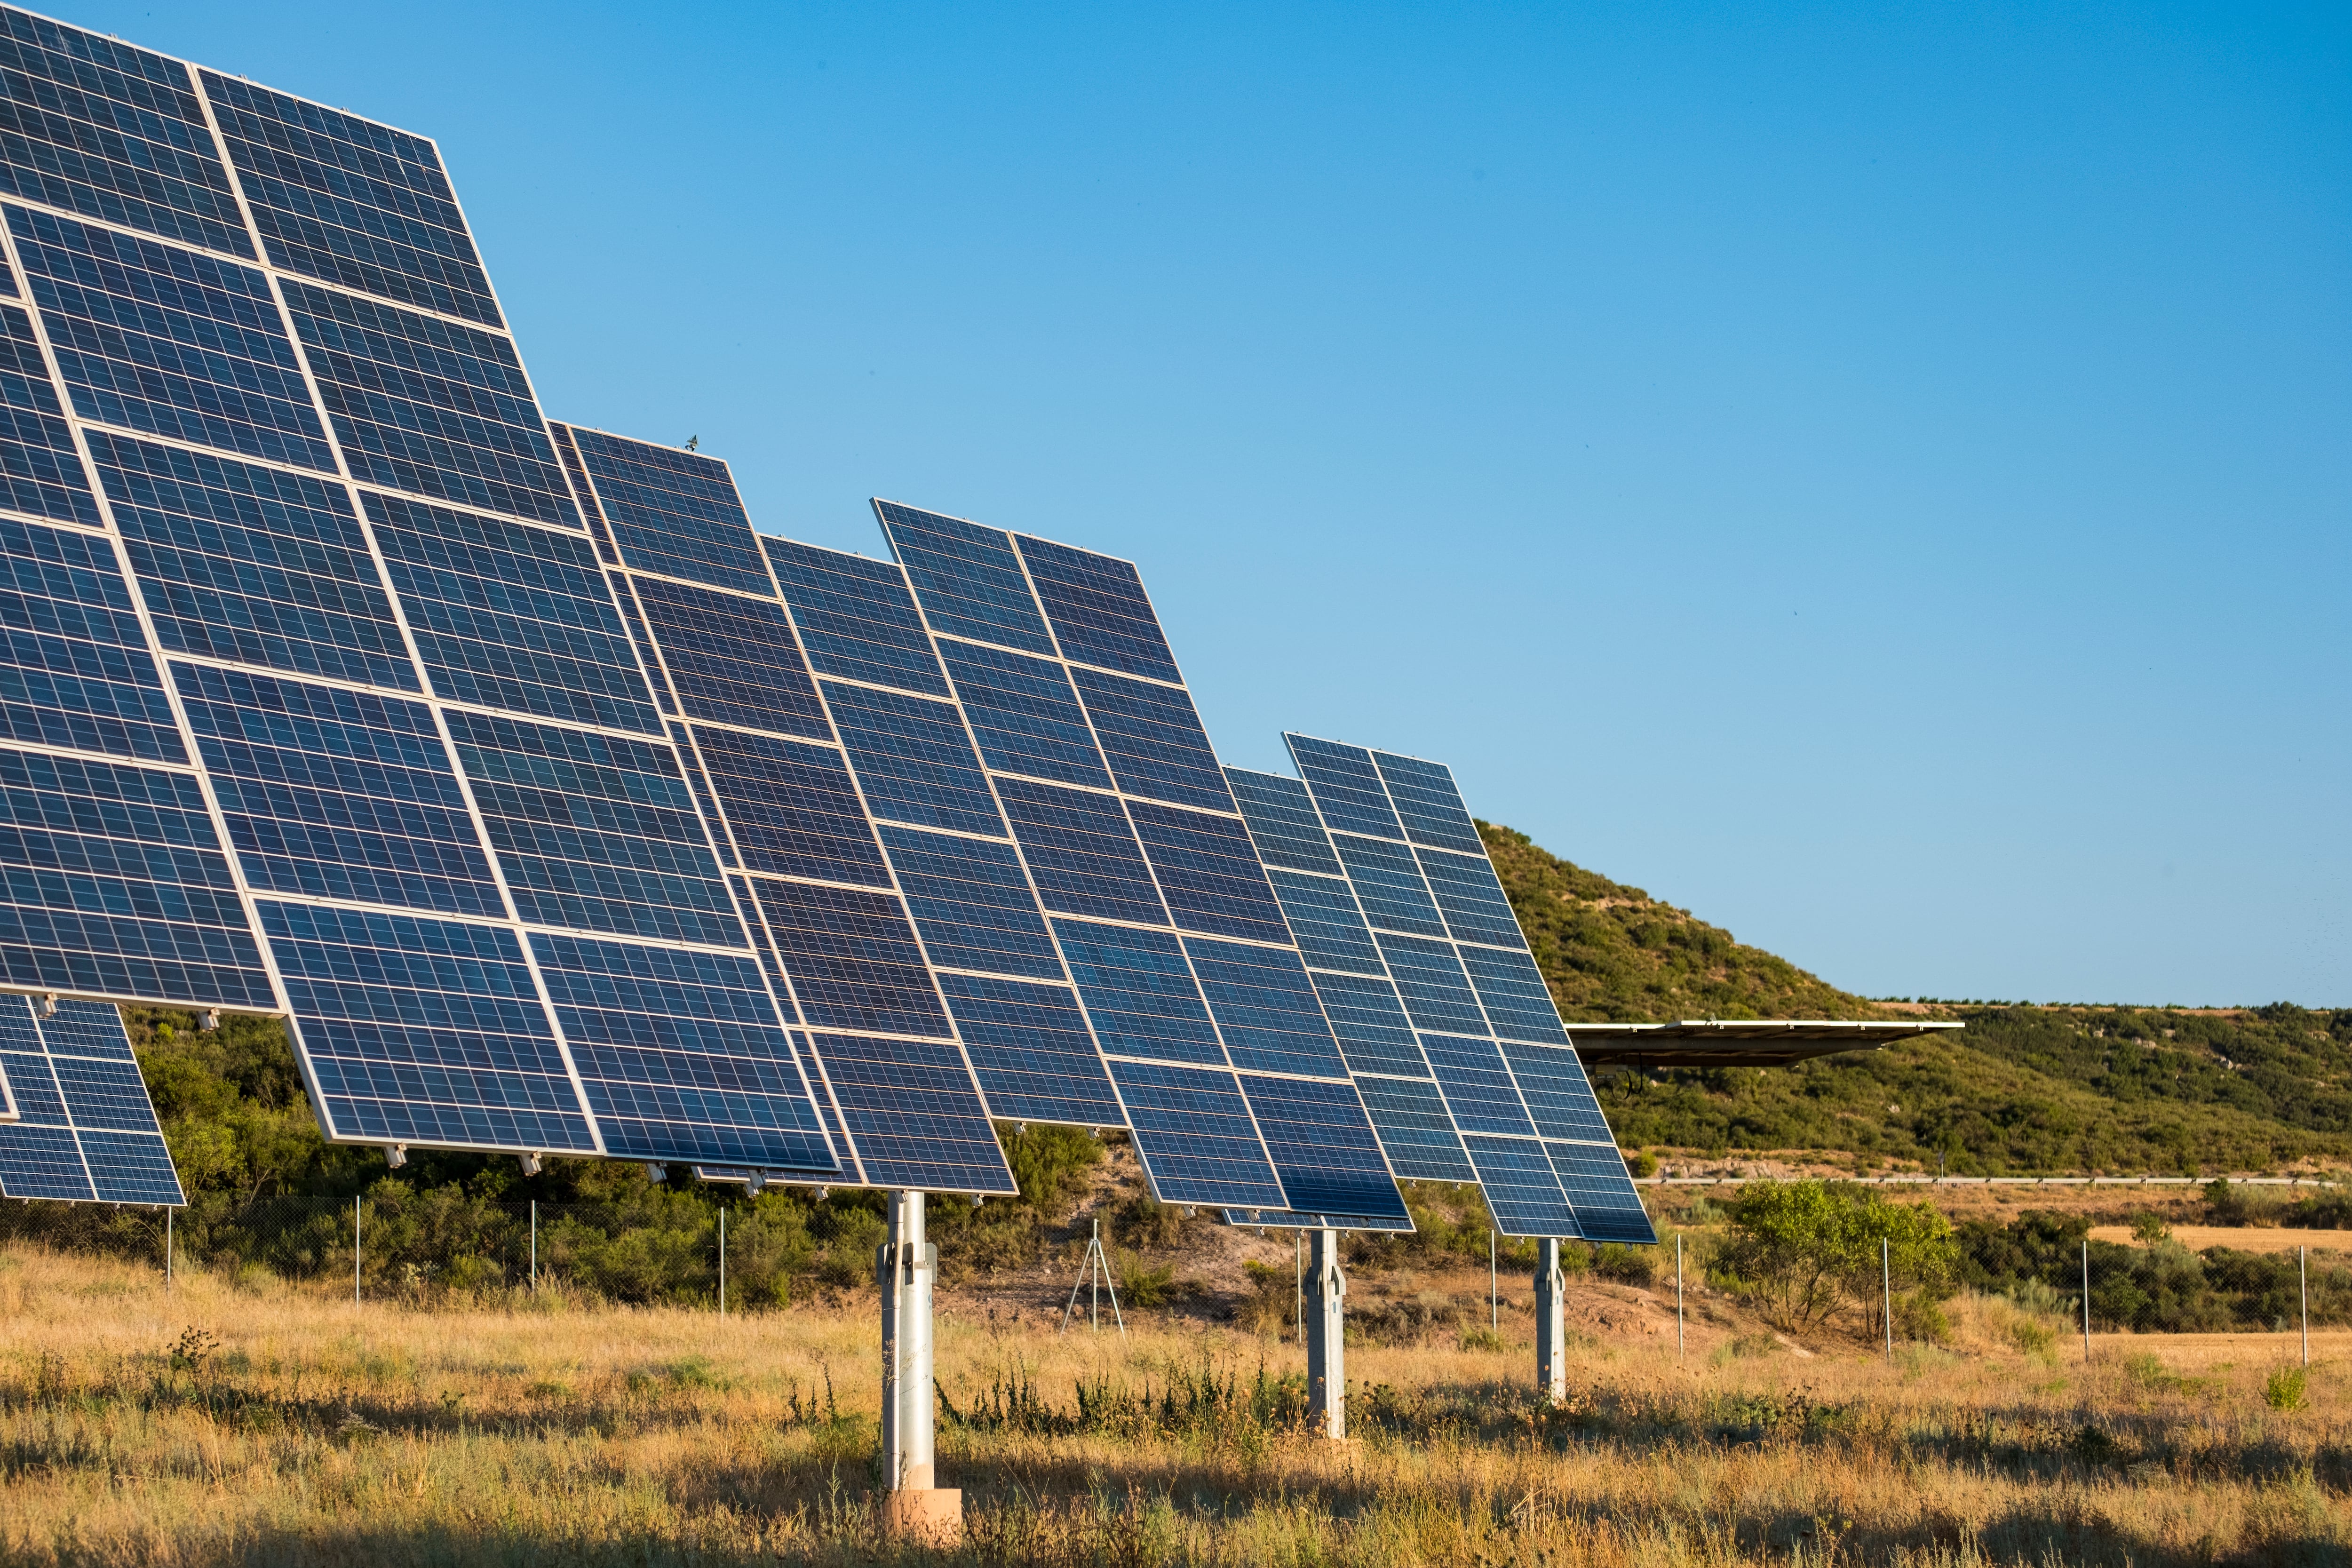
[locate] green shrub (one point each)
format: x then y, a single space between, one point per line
2035 1338
2284 1389
1483 1340
1626 1265
1801 1248
1142 1286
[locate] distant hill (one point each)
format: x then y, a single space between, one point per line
2024 1088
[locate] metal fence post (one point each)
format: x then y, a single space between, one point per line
1678 1295
722 1265
167 1276
355 1252
1493 1289
1886 1291
534 1246
2303 1289
2086 1301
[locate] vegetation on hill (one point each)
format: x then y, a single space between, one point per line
2024 1088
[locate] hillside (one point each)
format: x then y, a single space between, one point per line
2024 1088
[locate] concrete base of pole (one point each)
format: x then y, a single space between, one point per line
1551 1322
1326 1334
925 1516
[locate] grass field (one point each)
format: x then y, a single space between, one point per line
291 1428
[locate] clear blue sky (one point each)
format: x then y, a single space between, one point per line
1876 477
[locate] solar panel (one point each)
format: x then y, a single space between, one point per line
1414 951
80 1126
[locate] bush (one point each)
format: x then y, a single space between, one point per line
1626 1265
1801 1248
2284 1389
1640 1163
1142 1286
2035 1338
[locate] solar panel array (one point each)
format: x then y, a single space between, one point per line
79 1125
1452 1036
561 812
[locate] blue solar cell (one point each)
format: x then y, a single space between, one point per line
1472 900
594 832
344 201
682 1054
115 884
1517 1002
972 904
914 759
1195 1134
855 617
1478 1086
1209 873
1389 885
733 660
1430 980
1348 791
75 669
1330 928
1607 1207
85 1128
1559 1096
583 495
967 577
1522 1191
511 616
1138 993
1024 715
674 512
1373 1031
1282 822
169 342
338 795
706 802
1268 1013
852 960
39 470
1415 1130
430 407
792 806
1428 803
1323 1147
97 126
914 1114
252 564
1082 852
1099 610
1152 738
1031 1051
423 1031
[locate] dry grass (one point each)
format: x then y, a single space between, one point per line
320 1432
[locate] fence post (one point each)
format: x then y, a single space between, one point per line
355 1252
1886 1291
167 1277
2086 1301
2303 1289
1493 1289
534 1246
722 1265
1678 1295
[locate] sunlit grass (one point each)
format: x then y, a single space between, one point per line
294 1428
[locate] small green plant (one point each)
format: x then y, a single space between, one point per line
2147 1229
1142 1286
1641 1163
1626 1265
2284 1389
1483 1340
2035 1338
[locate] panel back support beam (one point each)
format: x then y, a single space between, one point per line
1327 1333
1551 1322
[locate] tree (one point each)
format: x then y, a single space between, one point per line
1801 1248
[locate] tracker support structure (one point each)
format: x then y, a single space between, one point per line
905 1266
1326 1325
1551 1322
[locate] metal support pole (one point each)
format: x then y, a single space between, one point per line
2086 1302
722 1266
167 1279
1326 1329
355 1252
1094 1279
904 1266
1493 1289
1886 1291
1298 1286
2303 1287
1678 1295
534 1246
1551 1322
